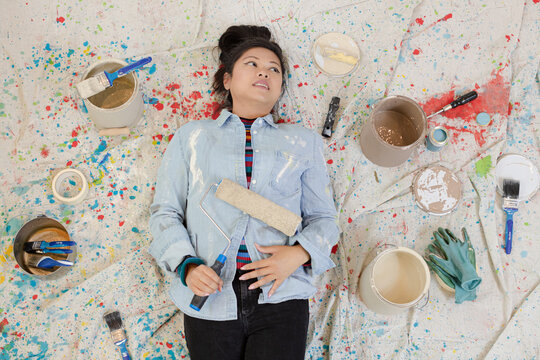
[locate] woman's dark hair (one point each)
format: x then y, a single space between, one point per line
235 41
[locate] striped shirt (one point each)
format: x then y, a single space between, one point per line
242 258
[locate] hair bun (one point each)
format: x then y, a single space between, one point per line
237 34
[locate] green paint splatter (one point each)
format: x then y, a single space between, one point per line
483 166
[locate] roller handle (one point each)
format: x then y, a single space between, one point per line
330 117
462 100
197 301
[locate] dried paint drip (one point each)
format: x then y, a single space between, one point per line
437 190
395 128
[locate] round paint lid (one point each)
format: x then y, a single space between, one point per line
483 119
335 54
517 167
437 190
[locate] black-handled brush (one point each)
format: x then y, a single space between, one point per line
462 100
330 117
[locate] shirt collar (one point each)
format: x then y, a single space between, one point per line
226 115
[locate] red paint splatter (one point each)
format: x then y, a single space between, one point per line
446 17
466 46
334 249
34 297
419 21
172 87
75 143
416 52
394 215
349 220
196 95
536 1
3 324
158 106
168 345
60 19
48 108
296 66
330 161
44 152
69 163
100 217
300 84
74 133
492 100
507 38
121 223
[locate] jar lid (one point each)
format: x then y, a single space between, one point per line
437 190
335 54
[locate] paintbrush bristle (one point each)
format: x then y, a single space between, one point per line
510 188
113 320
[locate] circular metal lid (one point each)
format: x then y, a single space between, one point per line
437 190
517 167
335 54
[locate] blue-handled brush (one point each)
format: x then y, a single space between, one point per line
510 191
114 322
104 80
46 262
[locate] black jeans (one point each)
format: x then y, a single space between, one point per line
261 331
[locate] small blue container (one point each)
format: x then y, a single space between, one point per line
437 138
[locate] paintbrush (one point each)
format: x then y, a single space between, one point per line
510 191
462 100
114 321
104 80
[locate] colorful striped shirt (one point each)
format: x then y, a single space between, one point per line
242 258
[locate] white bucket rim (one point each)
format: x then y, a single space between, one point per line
424 266
132 74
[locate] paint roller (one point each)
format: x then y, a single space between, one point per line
255 206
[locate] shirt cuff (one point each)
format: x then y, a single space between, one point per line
181 269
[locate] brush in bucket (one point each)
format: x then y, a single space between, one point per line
255 206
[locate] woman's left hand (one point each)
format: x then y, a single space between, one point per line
283 262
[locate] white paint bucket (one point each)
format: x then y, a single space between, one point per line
120 105
395 280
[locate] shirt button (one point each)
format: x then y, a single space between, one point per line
253 181
257 150
254 131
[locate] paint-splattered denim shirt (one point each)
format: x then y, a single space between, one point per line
288 168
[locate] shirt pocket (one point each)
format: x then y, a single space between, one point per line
286 172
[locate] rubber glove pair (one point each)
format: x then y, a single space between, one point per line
454 261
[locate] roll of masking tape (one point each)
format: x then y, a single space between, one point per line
66 174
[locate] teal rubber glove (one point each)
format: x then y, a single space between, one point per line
454 261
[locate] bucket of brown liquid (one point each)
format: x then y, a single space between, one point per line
120 105
395 127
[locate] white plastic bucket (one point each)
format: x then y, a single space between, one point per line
395 280
118 106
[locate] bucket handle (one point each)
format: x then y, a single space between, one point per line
425 302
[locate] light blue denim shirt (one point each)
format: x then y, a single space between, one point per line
288 168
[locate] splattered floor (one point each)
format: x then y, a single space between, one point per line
430 51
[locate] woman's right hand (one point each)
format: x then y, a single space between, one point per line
202 280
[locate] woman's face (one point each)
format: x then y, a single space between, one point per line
255 81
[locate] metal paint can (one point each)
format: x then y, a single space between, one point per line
395 127
118 106
437 138
41 228
394 281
